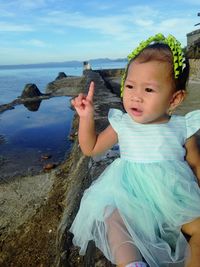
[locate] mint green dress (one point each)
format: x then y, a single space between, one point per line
147 193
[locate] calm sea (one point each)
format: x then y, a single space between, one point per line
12 81
28 132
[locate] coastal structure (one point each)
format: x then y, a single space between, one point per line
86 65
198 14
193 43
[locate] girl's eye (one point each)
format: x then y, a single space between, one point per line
129 86
149 90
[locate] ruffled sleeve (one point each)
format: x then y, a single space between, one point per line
114 117
192 120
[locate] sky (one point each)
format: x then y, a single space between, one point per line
37 31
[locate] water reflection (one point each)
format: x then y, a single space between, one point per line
2 139
29 135
33 105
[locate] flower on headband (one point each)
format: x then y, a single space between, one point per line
174 45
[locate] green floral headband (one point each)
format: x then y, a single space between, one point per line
174 45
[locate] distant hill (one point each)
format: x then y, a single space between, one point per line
73 63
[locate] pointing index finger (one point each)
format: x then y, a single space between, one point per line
90 94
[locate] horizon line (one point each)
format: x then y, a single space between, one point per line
61 62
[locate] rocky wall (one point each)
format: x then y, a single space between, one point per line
110 72
194 69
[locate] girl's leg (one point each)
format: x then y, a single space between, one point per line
120 243
193 229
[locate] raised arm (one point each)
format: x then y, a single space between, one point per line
193 156
91 144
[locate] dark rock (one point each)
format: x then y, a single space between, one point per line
49 166
61 75
30 90
46 156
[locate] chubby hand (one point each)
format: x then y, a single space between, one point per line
83 104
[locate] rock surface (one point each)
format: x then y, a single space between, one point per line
30 90
61 75
195 69
66 86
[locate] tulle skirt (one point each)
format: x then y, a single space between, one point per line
139 207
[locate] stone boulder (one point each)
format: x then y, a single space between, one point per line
61 75
30 90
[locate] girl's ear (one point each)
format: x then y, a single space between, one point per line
177 99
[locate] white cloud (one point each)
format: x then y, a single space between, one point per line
35 42
32 3
28 4
141 11
174 23
109 25
5 13
138 20
88 31
100 6
178 27
143 22
190 2
9 27
16 55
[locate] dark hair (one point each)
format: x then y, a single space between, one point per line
162 52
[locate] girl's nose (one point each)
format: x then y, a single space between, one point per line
136 98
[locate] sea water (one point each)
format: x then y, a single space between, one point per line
12 81
29 134
31 140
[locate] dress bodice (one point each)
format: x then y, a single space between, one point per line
153 142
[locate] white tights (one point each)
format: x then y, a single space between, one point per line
120 243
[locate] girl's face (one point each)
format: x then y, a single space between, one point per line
148 91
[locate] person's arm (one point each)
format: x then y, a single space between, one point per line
91 144
193 156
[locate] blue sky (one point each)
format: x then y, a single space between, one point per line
35 31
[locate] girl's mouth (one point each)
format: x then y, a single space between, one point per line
136 111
